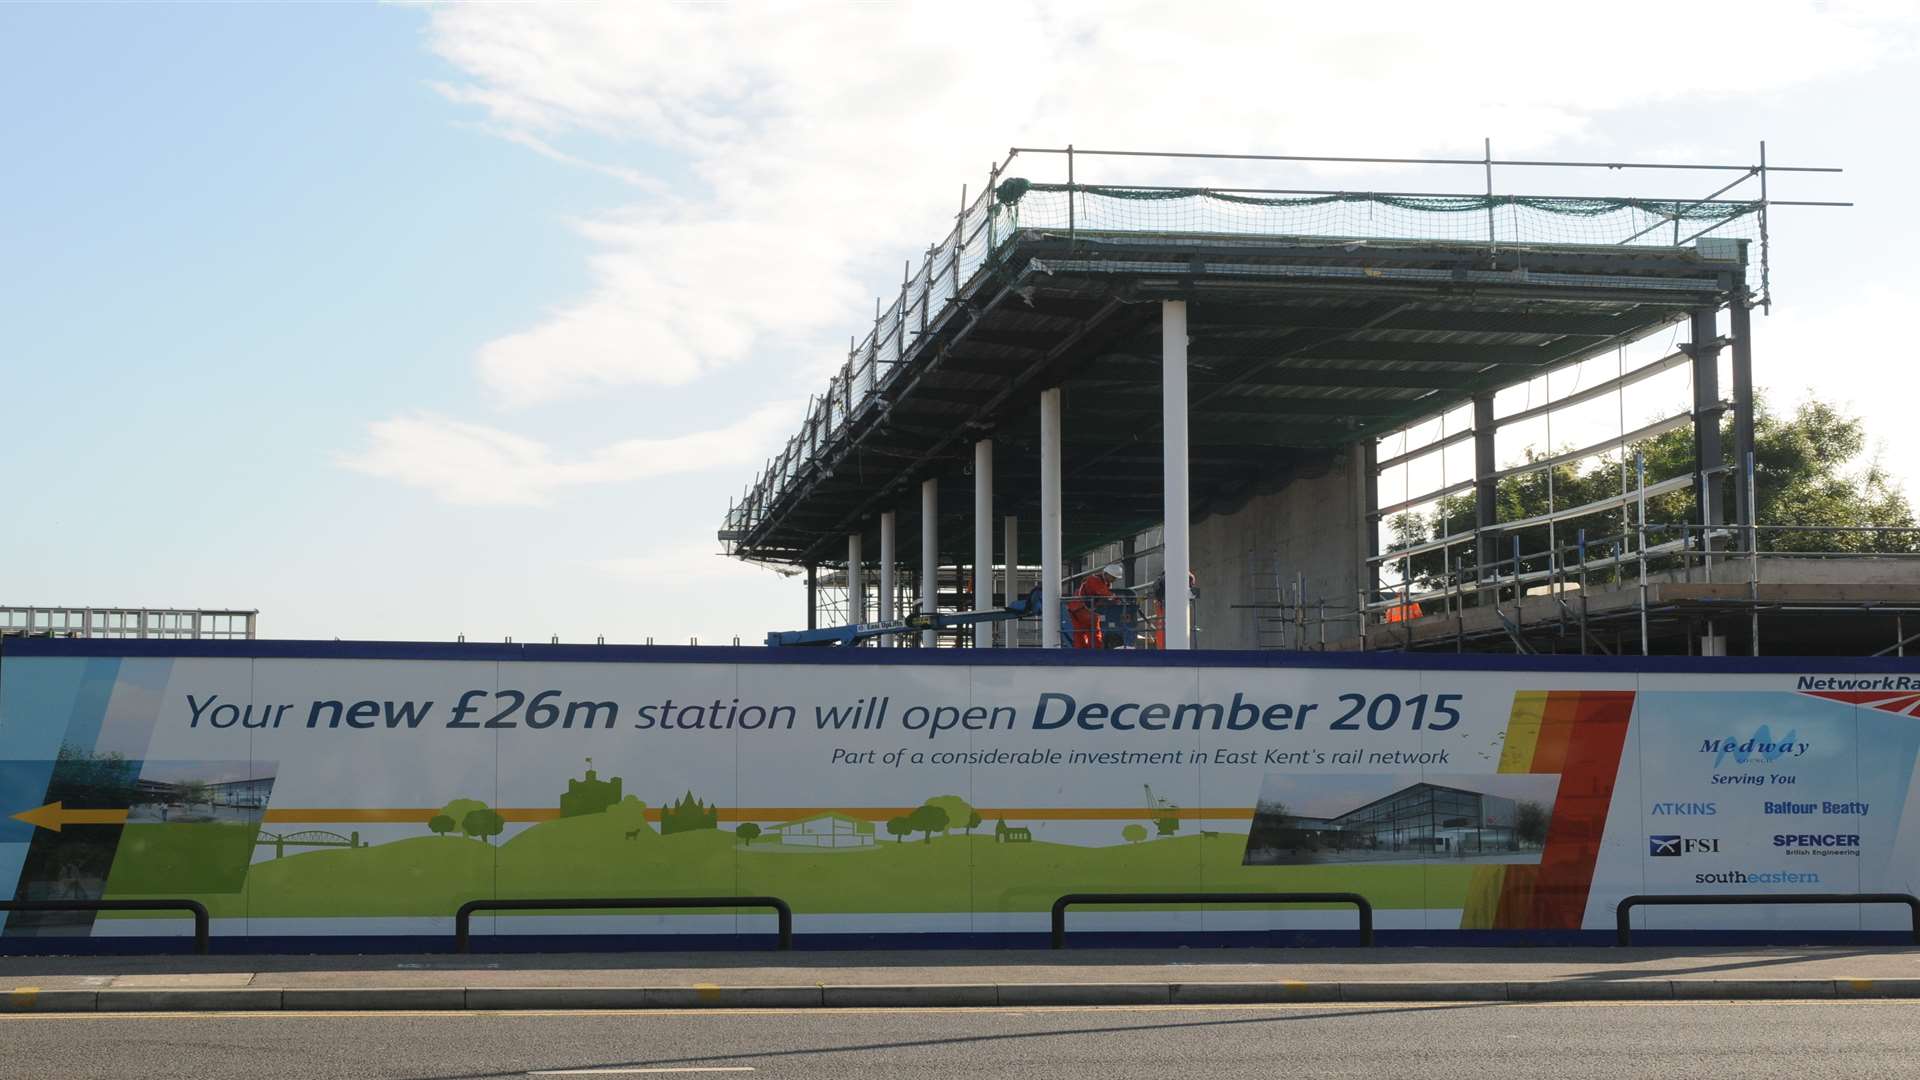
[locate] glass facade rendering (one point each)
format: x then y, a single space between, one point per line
1422 821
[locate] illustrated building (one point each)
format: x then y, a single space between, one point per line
824 830
1419 820
589 795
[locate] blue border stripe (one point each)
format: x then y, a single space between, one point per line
721 654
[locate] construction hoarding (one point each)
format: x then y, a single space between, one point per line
351 790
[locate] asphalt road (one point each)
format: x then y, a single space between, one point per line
1802 1040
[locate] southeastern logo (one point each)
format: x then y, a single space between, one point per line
1672 847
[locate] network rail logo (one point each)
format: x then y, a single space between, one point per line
1886 693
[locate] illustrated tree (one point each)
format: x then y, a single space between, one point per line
973 821
1134 833
1530 823
747 831
956 809
458 809
1804 474
928 819
441 824
483 824
900 828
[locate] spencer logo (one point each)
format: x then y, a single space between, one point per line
1816 840
1695 809
1672 847
1760 748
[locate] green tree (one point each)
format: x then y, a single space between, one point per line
483 824
928 819
900 828
1530 823
747 831
1133 834
458 809
196 791
441 824
956 809
1807 472
973 821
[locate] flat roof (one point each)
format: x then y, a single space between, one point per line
1300 345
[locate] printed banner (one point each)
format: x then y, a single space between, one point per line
324 796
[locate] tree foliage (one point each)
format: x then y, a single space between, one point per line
1805 474
1133 834
928 819
483 824
440 824
747 831
899 828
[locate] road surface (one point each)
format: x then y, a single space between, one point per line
1802 1040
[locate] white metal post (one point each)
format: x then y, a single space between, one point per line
1011 578
856 581
1173 452
983 539
889 558
1050 557
929 554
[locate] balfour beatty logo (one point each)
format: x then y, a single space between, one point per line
1761 746
1849 809
1858 682
1697 809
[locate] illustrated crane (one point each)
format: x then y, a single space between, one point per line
1162 812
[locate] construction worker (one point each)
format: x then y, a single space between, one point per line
1094 593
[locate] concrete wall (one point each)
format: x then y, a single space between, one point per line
1310 525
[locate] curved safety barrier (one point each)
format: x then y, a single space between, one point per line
463 919
201 921
1364 906
1623 931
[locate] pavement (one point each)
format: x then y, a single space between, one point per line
971 978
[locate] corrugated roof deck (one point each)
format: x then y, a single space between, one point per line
1298 346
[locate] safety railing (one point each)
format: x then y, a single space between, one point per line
1364 906
463 919
1007 206
1623 929
202 922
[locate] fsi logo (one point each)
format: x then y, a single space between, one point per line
1675 846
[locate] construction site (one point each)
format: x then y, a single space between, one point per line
1351 420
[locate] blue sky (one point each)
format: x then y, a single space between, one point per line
400 321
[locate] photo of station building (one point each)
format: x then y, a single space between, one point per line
1421 821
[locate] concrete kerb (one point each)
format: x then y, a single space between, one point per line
956 995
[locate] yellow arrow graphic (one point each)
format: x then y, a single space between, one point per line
55 816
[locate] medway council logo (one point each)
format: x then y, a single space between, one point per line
1759 748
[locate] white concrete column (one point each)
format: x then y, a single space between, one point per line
929 553
1173 452
1050 560
889 558
856 581
1010 578
983 539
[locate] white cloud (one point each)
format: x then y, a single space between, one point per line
814 146
473 464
